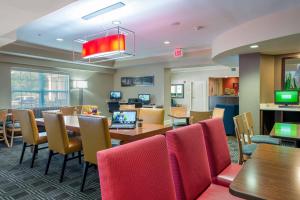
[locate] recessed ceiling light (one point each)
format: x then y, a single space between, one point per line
197 28
175 24
167 42
116 22
254 46
104 10
81 41
59 39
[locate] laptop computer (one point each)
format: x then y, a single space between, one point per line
123 120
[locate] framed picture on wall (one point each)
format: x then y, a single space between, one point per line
290 73
177 91
137 81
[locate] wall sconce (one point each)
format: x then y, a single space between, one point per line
80 85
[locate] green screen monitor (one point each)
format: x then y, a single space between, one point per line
286 97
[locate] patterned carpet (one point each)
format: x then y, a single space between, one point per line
22 182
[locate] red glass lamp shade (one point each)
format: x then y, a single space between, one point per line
108 45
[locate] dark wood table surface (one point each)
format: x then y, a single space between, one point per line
273 172
125 135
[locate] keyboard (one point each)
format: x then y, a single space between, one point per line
283 106
122 126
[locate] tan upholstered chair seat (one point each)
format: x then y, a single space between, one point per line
74 145
152 115
42 138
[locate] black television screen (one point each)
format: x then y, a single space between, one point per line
144 98
115 95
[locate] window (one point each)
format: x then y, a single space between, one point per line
177 90
39 89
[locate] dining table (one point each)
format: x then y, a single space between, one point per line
273 172
124 135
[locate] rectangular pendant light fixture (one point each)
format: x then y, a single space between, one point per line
104 46
104 10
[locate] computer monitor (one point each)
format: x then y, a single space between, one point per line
144 98
115 95
124 117
134 100
286 97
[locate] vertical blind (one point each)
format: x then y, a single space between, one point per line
39 89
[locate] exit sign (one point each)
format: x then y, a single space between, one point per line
178 52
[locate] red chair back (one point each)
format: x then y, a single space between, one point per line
216 145
138 170
189 162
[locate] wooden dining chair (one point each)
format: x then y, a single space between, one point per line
196 116
31 136
257 138
13 128
245 147
177 111
152 115
3 118
95 137
86 109
59 142
218 113
68 111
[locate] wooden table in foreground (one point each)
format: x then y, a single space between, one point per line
125 135
287 131
273 172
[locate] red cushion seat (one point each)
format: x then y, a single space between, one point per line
227 175
216 192
138 170
218 152
189 163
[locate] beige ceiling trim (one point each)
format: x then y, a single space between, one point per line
18 58
197 58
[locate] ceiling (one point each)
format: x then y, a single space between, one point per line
151 21
16 13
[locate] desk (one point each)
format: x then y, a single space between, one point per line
287 131
125 135
271 113
271 173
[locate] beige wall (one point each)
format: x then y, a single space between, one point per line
187 77
156 91
100 83
266 78
167 93
249 96
160 92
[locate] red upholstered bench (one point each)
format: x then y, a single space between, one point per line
222 170
190 167
136 171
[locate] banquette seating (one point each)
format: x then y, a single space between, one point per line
174 167
222 170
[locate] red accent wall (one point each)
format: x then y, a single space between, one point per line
228 83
